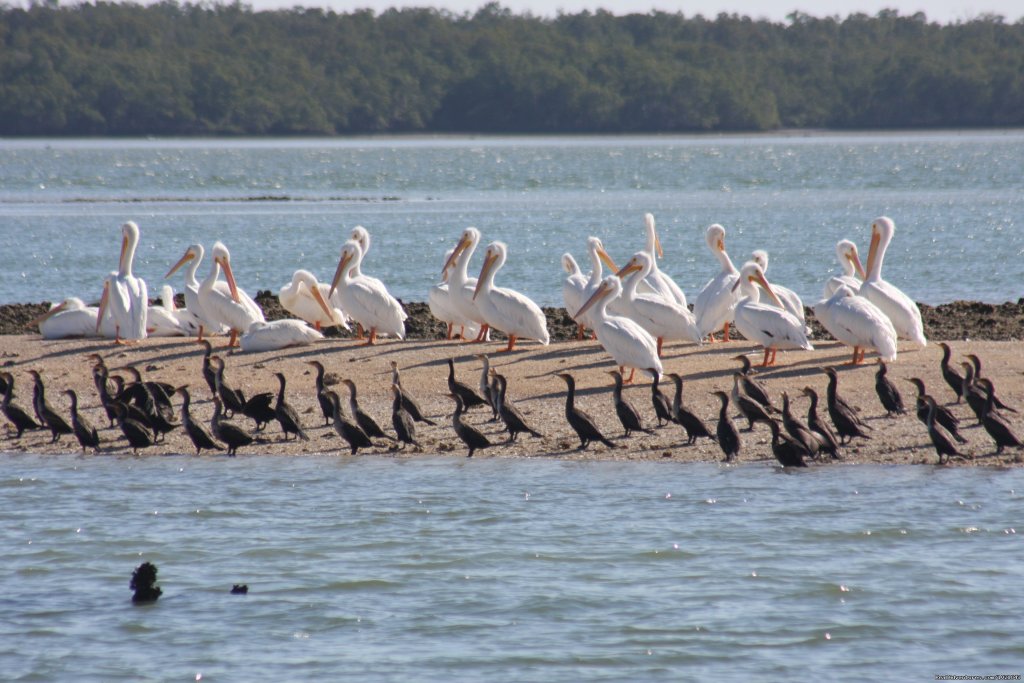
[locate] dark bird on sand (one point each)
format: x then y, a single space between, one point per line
326 408
86 434
694 426
943 416
788 451
17 415
408 402
401 420
798 430
347 429
728 435
844 417
466 393
751 387
944 446
584 425
887 392
231 434
286 415
470 435
995 423
137 434
362 418
45 413
511 416
196 432
662 406
952 377
628 415
829 443
748 407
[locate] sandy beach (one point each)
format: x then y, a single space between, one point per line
533 386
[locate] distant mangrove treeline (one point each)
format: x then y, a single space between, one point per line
184 69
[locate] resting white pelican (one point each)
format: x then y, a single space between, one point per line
192 258
235 309
460 285
791 301
772 327
853 271
624 340
279 334
661 317
900 308
441 306
505 309
69 318
165 320
857 322
364 299
715 303
124 294
659 281
306 298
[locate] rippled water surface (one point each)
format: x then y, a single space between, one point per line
280 205
439 569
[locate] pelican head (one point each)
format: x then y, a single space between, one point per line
760 257
70 304
569 264
640 262
469 239
753 273
194 252
494 259
595 246
304 277
849 257
222 258
129 240
361 235
609 288
882 230
351 255
653 243
714 236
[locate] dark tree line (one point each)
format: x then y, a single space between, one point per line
181 69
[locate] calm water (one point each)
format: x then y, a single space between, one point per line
957 199
438 569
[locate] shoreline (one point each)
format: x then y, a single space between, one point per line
532 385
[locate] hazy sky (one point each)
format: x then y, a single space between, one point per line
944 11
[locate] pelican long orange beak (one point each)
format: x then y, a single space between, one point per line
103 305
631 267
606 259
343 262
876 239
182 261
124 251
657 247
601 292
853 258
323 304
758 278
49 314
485 270
226 265
459 248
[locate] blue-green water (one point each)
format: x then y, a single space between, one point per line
439 569
957 200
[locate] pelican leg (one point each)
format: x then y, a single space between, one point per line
233 340
764 362
579 332
200 337
856 351
511 343
661 340
725 333
359 329
622 370
372 340
316 325
451 327
483 333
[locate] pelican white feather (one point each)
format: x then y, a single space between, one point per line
771 326
857 322
366 300
623 339
852 271
460 285
505 309
661 317
234 309
69 318
900 308
714 306
165 320
279 334
660 282
441 306
308 299
126 296
192 258
791 301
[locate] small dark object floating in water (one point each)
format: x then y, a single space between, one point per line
142 582
240 589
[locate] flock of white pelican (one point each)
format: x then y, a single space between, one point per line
631 311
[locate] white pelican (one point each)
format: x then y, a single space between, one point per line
460 285
857 322
364 299
900 308
124 295
192 258
624 340
715 303
505 309
574 288
306 298
663 318
659 281
362 236
165 320
279 334
773 327
69 318
597 256
441 306
234 309
853 271
791 301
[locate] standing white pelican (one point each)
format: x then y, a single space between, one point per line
279 334
505 309
235 309
900 308
715 303
460 285
362 236
441 306
772 327
857 322
192 258
623 339
165 320
595 249
661 317
659 281
364 299
306 298
124 294
69 318
791 301
574 288
853 271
